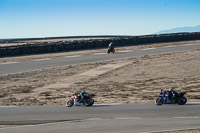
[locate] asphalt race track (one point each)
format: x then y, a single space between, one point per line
131 118
101 118
17 67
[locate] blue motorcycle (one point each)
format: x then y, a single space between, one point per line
165 99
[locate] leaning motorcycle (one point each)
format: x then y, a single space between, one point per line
86 101
163 98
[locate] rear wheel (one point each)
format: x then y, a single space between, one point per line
70 103
182 100
89 102
113 51
159 101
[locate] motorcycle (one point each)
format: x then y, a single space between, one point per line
86 101
177 99
111 50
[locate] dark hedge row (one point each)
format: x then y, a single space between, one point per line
44 47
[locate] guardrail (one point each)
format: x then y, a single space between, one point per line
64 46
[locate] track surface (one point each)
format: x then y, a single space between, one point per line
101 118
17 67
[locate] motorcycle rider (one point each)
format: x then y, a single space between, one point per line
81 95
172 94
110 46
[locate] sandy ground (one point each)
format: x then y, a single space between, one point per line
88 52
134 80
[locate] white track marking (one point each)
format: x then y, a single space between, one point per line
196 103
118 118
73 56
125 51
189 44
127 118
91 119
99 54
148 48
169 46
8 106
36 125
5 63
187 117
37 119
45 59
107 104
172 130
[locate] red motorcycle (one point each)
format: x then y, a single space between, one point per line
78 101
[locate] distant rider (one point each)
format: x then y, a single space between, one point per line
110 46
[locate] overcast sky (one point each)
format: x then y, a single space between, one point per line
48 18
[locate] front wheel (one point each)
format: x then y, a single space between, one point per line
159 101
182 100
108 51
70 103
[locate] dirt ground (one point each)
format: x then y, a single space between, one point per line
133 80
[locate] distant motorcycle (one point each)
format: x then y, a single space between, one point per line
111 50
86 101
164 99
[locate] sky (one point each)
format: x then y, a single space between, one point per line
52 18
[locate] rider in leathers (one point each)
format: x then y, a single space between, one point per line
110 46
81 95
172 94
